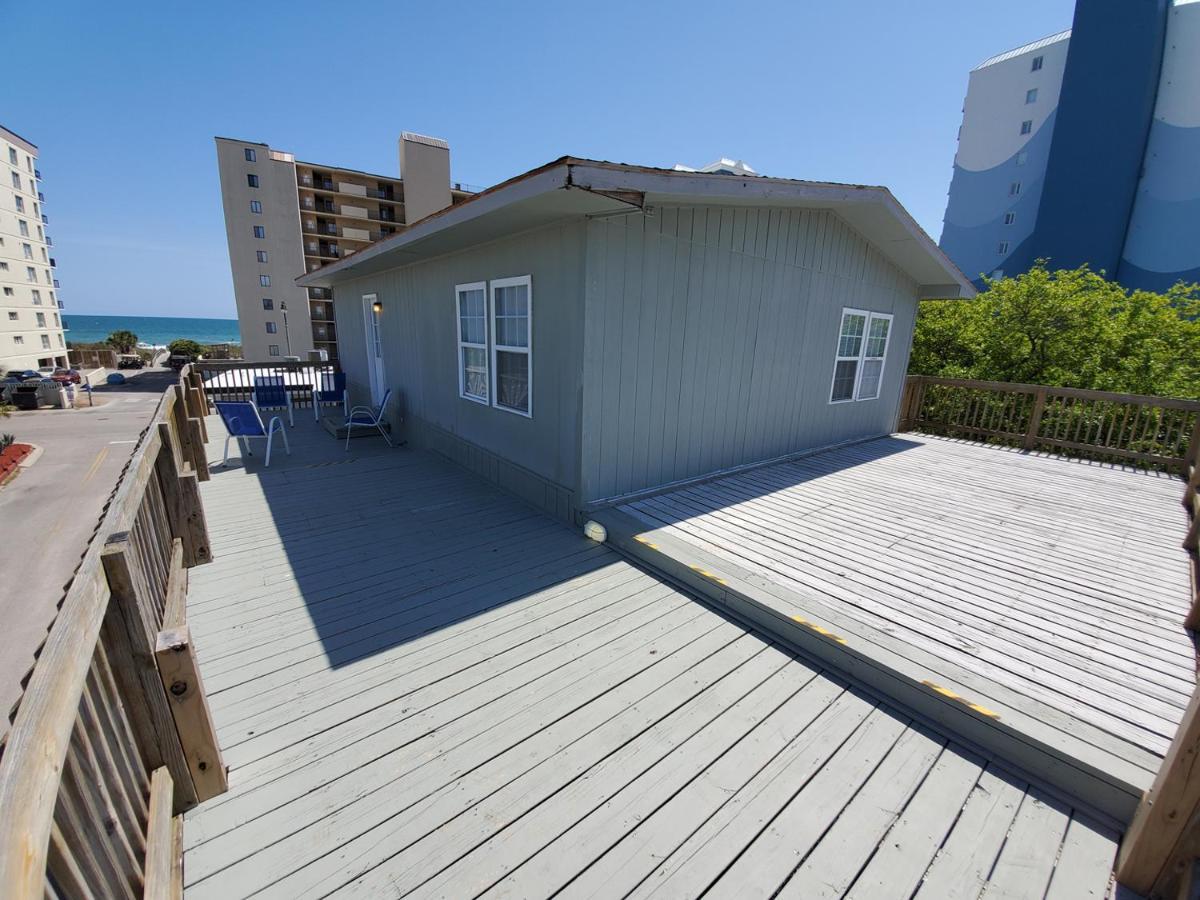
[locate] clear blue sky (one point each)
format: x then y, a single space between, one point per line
124 99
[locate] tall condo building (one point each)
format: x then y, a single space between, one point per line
31 329
1082 147
284 218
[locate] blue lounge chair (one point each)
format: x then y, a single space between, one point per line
331 390
368 417
244 422
270 392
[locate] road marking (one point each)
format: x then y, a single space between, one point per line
95 465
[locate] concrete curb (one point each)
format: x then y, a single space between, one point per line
34 455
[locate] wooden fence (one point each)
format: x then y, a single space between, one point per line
1155 432
235 379
1159 852
112 739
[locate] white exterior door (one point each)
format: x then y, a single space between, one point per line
371 315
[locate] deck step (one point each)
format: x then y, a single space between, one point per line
995 723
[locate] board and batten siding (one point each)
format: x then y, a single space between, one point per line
538 457
710 338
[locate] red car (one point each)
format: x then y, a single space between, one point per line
66 376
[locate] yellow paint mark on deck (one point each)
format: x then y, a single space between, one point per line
824 632
949 694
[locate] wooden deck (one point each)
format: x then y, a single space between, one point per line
1048 594
425 687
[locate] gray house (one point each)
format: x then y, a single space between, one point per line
588 330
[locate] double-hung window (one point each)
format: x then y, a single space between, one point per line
473 371
512 351
861 348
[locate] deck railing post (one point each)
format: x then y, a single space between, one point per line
181 491
135 629
1035 419
1162 841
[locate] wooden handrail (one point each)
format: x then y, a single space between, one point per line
1158 432
97 757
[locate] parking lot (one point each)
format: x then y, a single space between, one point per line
52 508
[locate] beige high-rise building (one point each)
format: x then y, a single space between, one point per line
31 329
284 218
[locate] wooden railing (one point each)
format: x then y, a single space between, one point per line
1155 432
112 739
234 379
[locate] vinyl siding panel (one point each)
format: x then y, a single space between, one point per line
710 338
420 358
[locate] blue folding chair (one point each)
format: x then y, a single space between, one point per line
270 392
331 390
244 422
368 417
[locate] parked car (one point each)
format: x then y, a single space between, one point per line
178 361
130 361
66 376
23 375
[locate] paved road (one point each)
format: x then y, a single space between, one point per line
52 508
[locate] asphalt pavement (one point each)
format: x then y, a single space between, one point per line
51 510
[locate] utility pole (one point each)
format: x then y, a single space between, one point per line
287 335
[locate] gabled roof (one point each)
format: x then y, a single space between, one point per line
571 187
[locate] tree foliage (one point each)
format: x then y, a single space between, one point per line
185 347
1068 328
122 341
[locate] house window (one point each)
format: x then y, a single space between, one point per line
3 267
1022 157
271 329
12 316
256 207
997 274
16 181
1014 189
12 155
17 339
1037 64
260 232
471 303
268 303
45 342
20 203
251 156
1003 248
23 227
862 346
30 274
37 297
1009 218
1027 126
27 249
8 292
264 280
512 353
272 350
252 180
1031 96
41 319
262 255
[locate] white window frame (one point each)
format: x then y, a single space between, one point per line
459 290
861 358
527 350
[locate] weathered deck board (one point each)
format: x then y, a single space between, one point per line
422 687
1057 583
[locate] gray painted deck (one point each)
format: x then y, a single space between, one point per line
1046 590
424 687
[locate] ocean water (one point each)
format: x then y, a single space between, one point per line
156 330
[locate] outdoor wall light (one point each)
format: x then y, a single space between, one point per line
595 531
377 306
